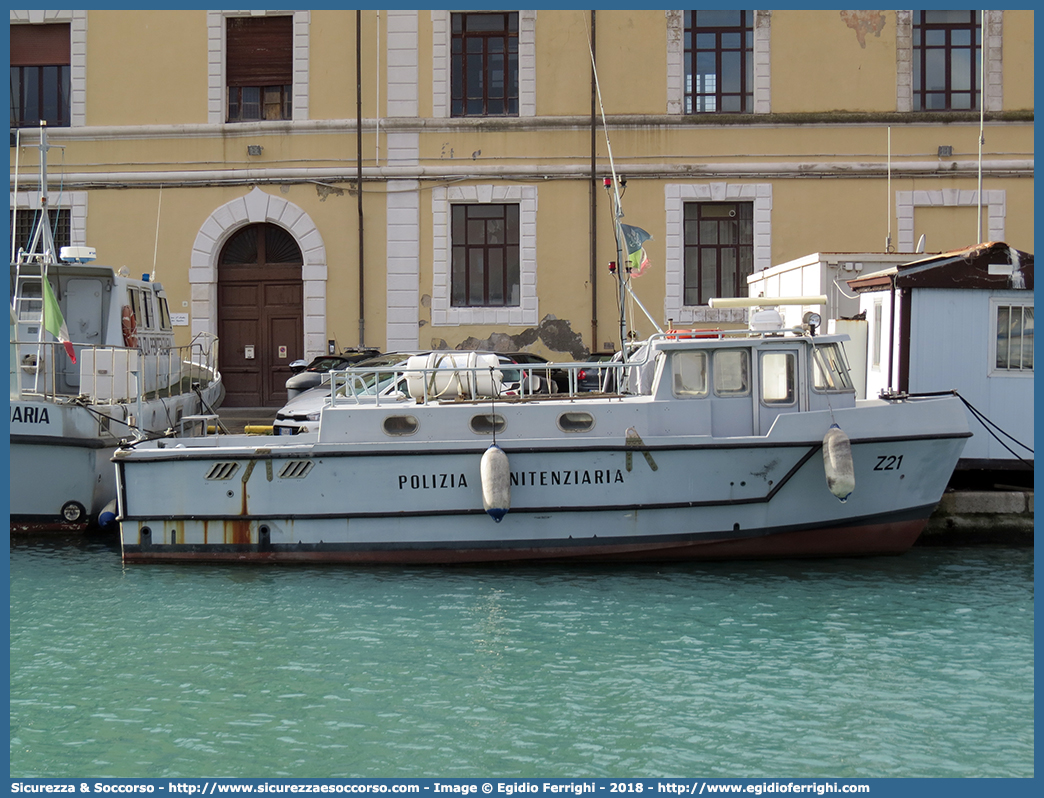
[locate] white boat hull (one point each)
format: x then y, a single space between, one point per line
672 497
61 457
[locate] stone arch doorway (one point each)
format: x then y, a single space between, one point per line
260 314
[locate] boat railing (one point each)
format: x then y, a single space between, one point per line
109 374
507 382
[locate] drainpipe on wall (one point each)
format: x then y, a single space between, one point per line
593 218
358 171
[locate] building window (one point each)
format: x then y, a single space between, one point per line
25 223
719 250
719 62
40 75
947 60
1014 341
484 64
259 68
485 244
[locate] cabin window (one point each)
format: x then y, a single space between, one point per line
145 319
487 423
576 422
830 369
778 378
1014 339
164 314
400 425
690 373
135 305
732 372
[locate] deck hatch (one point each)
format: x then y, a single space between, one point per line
222 470
296 469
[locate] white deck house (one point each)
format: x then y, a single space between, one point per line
959 320
827 274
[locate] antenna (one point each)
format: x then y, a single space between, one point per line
920 244
888 194
982 126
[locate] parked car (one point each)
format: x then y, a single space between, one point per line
556 379
309 375
596 379
301 414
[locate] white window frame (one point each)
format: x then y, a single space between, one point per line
992 43
676 195
441 66
996 303
443 314
77 54
217 91
676 62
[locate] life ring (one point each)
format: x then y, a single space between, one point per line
130 327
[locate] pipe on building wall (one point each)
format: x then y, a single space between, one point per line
237 176
359 173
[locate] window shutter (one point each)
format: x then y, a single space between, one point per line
260 51
40 45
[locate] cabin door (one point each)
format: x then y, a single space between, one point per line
83 309
260 315
779 386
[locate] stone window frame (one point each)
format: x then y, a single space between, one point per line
217 91
993 41
907 202
443 314
676 195
73 201
77 21
441 64
676 63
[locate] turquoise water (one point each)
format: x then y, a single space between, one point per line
920 665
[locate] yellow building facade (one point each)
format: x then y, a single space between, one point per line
744 139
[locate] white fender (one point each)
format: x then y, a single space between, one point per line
837 463
496 482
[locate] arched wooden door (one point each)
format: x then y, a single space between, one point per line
260 313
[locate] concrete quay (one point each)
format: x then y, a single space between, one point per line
966 517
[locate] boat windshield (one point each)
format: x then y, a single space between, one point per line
830 369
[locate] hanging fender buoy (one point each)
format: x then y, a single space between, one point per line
496 482
130 327
107 517
837 463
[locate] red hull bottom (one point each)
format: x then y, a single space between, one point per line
887 538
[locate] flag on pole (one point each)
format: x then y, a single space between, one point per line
54 322
634 238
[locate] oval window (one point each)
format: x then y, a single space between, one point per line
576 422
487 423
400 425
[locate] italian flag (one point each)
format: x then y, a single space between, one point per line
634 238
54 322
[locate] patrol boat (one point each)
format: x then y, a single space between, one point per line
710 445
92 362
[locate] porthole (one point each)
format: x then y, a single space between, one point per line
487 423
575 421
400 425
